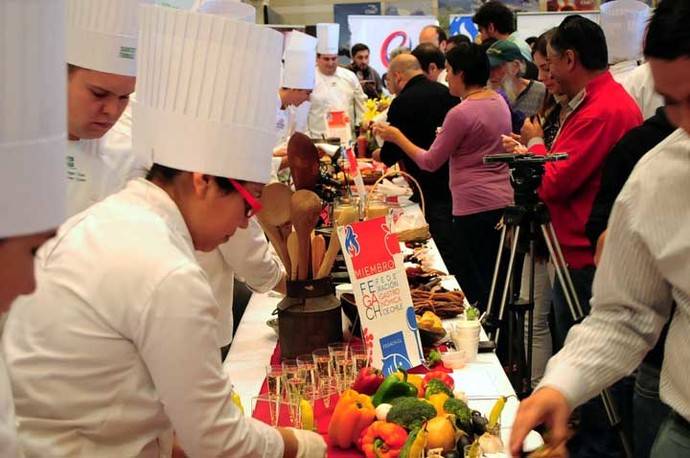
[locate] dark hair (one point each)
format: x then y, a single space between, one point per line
358 48
168 174
486 44
442 36
495 13
668 34
543 42
459 39
471 60
586 38
428 54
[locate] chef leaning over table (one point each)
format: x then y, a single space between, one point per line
32 145
101 57
116 348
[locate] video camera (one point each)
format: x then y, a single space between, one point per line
527 171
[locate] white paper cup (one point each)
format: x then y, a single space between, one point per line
467 328
470 345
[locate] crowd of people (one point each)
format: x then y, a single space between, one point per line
107 355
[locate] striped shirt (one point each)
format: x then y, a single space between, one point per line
645 268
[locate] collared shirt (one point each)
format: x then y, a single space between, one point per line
640 85
644 269
118 345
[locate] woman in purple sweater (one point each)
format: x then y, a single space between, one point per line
471 130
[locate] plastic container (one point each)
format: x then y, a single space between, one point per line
453 359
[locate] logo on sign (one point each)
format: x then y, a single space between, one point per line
351 243
394 353
378 257
387 45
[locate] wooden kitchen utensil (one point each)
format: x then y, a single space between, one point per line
305 208
303 159
334 245
318 251
293 250
275 199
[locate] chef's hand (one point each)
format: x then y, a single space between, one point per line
387 132
545 406
309 444
531 129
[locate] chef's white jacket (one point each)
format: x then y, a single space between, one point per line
118 345
340 91
101 167
8 428
248 256
640 85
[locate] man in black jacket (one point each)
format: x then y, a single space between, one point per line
418 111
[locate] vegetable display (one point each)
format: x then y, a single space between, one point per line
353 413
392 387
383 440
410 412
368 381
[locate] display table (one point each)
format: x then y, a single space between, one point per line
483 381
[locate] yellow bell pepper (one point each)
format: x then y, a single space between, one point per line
412 379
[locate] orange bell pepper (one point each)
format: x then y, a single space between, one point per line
352 414
383 440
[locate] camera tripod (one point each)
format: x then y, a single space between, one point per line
530 215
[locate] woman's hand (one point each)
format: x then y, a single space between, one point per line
387 132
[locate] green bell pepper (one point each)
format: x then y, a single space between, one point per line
391 388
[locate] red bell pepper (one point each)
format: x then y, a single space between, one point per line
368 380
440 375
383 440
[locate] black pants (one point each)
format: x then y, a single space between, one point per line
476 244
439 215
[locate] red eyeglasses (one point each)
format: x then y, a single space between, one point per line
252 205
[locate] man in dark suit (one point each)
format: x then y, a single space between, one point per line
418 111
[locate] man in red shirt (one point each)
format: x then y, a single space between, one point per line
598 114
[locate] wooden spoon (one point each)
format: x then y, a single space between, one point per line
318 250
305 208
293 250
303 159
334 245
276 213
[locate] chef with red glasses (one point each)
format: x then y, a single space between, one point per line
117 347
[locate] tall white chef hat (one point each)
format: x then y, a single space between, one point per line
102 35
299 71
230 8
33 116
206 91
624 23
329 37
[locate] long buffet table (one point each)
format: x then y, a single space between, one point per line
483 380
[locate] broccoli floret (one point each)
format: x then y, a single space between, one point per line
410 413
463 414
436 386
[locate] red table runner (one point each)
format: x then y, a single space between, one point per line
322 415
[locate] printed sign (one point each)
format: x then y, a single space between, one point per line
385 33
389 325
462 24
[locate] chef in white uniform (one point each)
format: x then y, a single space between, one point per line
116 348
336 89
33 138
298 79
624 23
101 53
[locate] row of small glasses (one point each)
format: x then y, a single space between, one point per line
325 372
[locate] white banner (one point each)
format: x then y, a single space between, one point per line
385 33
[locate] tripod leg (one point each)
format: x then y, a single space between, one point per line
562 273
576 307
509 276
497 267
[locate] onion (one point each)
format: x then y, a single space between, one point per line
490 443
382 411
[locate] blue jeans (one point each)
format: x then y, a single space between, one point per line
594 438
648 411
673 440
